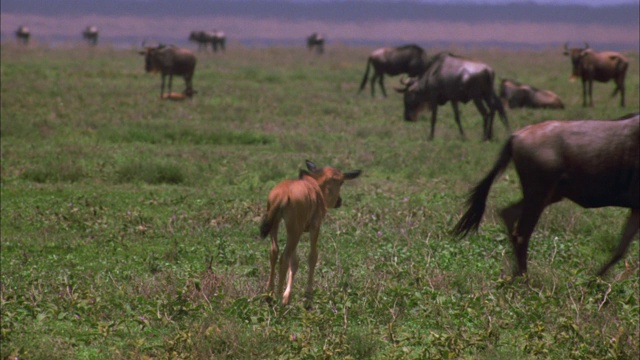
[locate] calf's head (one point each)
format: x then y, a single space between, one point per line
330 181
575 54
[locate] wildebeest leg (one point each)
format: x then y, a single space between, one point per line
584 92
162 86
532 207
289 261
170 81
434 114
487 117
381 82
373 83
273 257
313 260
510 215
630 230
456 112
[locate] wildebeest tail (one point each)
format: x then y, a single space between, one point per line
366 76
503 115
478 197
272 217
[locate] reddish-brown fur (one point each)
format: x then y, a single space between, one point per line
592 163
302 204
599 66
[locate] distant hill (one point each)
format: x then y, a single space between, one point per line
338 10
359 22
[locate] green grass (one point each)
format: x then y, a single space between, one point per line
130 225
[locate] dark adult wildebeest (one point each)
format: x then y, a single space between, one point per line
592 163
217 39
599 66
316 41
23 34
408 59
518 95
91 35
171 60
302 204
451 78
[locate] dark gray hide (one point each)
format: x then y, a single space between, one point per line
91 35
592 163
316 41
407 59
451 78
169 61
23 34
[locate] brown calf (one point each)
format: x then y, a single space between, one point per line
302 204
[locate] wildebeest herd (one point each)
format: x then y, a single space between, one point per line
594 163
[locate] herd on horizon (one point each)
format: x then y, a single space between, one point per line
594 163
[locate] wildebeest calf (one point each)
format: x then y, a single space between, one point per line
518 95
592 163
302 204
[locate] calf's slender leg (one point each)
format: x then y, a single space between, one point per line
313 259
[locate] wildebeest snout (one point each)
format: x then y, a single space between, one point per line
339 202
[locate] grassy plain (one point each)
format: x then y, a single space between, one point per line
130 225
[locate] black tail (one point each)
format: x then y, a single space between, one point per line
478 197
366 76
500 108
265 228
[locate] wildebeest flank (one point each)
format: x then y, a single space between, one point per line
518 95
171 60
407 59
592 163
590 65
302 204
451 78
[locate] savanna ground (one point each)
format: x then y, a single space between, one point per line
130 225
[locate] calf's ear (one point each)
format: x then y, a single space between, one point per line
311 166
349 175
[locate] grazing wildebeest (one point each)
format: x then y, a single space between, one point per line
407 59
518 95
603 66
23 34
171 60
316 41
302 204
91 35
451 78
592 163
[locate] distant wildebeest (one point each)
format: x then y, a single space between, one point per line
407 59
592 163
302 204
603 66
91 35
204 38
23 34
316 41
449 77
171 60
518 95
